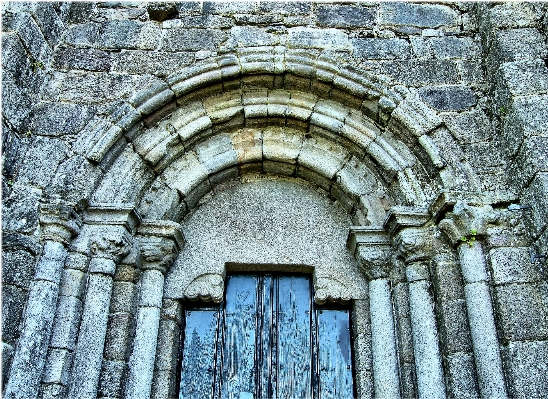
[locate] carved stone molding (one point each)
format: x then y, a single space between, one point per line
400 217
59 223
327 289
372 248
113 215
466 220
206 287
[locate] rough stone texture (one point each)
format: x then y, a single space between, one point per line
527 368
523 311
448 98
467 80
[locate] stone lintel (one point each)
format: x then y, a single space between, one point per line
59 222
447 199
372 248
113 214
400 217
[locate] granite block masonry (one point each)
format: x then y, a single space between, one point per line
151 149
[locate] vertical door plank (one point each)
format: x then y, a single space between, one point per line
335 360
198 366
265 344
240 329
294 338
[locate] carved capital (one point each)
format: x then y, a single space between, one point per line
157 253
112 246
113 215
160 243
415 244
371 247
59 223
466 220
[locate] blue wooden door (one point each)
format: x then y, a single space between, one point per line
267 340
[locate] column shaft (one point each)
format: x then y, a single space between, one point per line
141 362
385 361
430 381
482 321
91 339
30 355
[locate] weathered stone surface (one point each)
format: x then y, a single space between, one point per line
513 15
13 303
419 15
523 311
525 118
168 345
48 20
75 179
17 267
29 32
228 7
244 36
342 16
111 380
66 322
454 326
72 282
285 7
378 49
527 367
318 38
123 297
513 265
516 45
28 74
462 377
16 105
119 336
448 98
161 11
446 47
20 209
78 12
151 62
535 195
470 126
82 35
419 72
38 170
520 78
184 39
57 366
58 119
128 35
85 59
531 158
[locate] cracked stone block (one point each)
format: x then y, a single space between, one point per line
522 311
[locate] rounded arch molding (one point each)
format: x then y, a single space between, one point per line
361 124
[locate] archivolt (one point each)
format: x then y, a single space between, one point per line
268 106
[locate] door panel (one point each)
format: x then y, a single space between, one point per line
267 341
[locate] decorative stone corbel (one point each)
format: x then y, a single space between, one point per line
159 243
372 248
466 220
206 287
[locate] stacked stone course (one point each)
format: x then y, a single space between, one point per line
127 115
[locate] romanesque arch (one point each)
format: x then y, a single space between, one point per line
362 139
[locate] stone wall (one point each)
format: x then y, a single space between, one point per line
379 105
